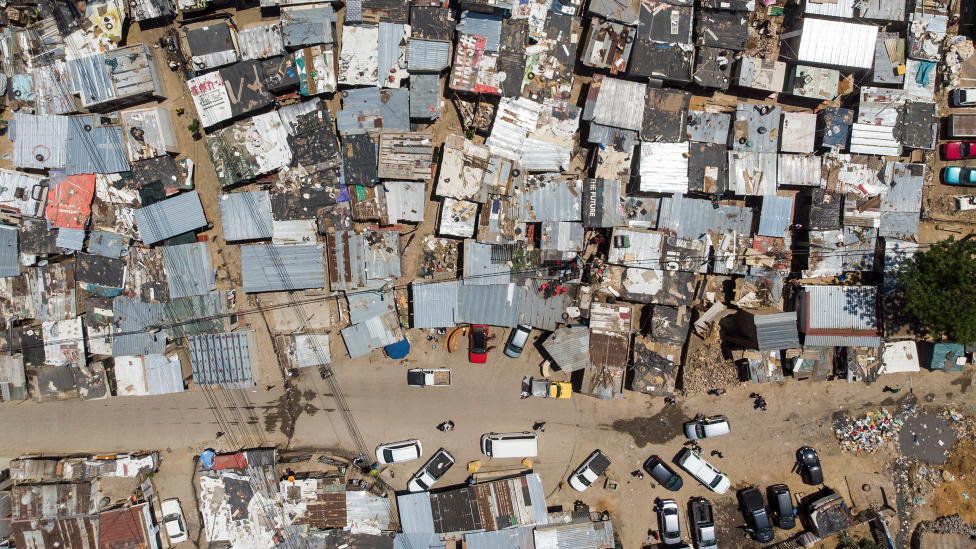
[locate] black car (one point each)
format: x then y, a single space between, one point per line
662 473
754 510
781 504
809 464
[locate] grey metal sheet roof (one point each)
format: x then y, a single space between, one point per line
887 10
246 216
798 169
562 236
380 263
100 150
361 107
569 536
71 239
774 218
39 135
405 201
290 114
200 314
188 269
415 513
425 95
90 79
537 495
107 244
9 265
692 218
482 24
623 139
557 201
752 173
347 250
171 217
479 269
620 104
905 193
133 324
270 268
511 538
260 42
601 202
435 305
366 337
902 225
756 127
709 127
369 304
777 331
222 359
32 185
307 25
625 11
428 55
569 348
366 510
537 311
494 305
164 375
838 308
391 38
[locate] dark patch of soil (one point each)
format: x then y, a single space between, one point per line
660 428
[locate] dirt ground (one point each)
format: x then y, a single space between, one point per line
959 495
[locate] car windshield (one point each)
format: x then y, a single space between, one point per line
422 484
716 481
388 456
672 479
580 477
672 535
479 340
766 529
171 518
515 348
708 543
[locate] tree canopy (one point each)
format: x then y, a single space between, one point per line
939 286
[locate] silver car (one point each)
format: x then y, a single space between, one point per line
517 340
668 522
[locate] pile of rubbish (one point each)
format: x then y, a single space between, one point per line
958 52
869 433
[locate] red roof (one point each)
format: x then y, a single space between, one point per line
123 529
230 461
69 200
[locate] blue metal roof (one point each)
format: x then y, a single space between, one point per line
95 149
428 55
425 96
270 268
133 324
168 218
482 24
416 516
164 375
774 218
307 25
222 359
246 216
692 218
435 304
8 251
188 269
390 37
91 80
71 239
361 106
107 244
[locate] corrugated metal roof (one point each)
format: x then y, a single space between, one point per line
270 268
290 114
222 359
752 173
30 186
837 43
158 137
692 218
601 202
644 250
536 310
347 263
435 305
164 374
405 201
71 239
381 263
458 217
709 127
482 24
312 350
134 324
905 193
297 231
201 314
620 104
775 332
210 98
774 218
625 11
556 201
494 305
392 48
40 141
171 217
370 109
246 216
479 269
798 169
839 309
366 337
366 513
415 513
428 55
188 269
512 538
358 58
95 149
260 42
249 148
425 95
566 536
841 8
562 236
90 79
664 167
9 265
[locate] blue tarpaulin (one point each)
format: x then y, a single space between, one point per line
399 349
922 76
207 458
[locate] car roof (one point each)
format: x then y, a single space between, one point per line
599 462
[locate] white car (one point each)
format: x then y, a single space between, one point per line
396 452
668 522
703 471
431 472
589 471
174 521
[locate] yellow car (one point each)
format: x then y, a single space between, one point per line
545 388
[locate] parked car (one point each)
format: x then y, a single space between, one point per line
590 470
703 518
959 176
396 452
174 520
435 377
754 510
809 463
781 504
964 97
431 472
478 344
703 471
707 427
517 340
668 522
959 150
660 472
545 388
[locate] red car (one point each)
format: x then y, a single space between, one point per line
478 344
958 150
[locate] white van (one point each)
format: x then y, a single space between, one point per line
510 445
703 471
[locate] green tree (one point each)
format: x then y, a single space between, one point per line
939 287
194 126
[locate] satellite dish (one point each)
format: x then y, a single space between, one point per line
7 156
31 96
